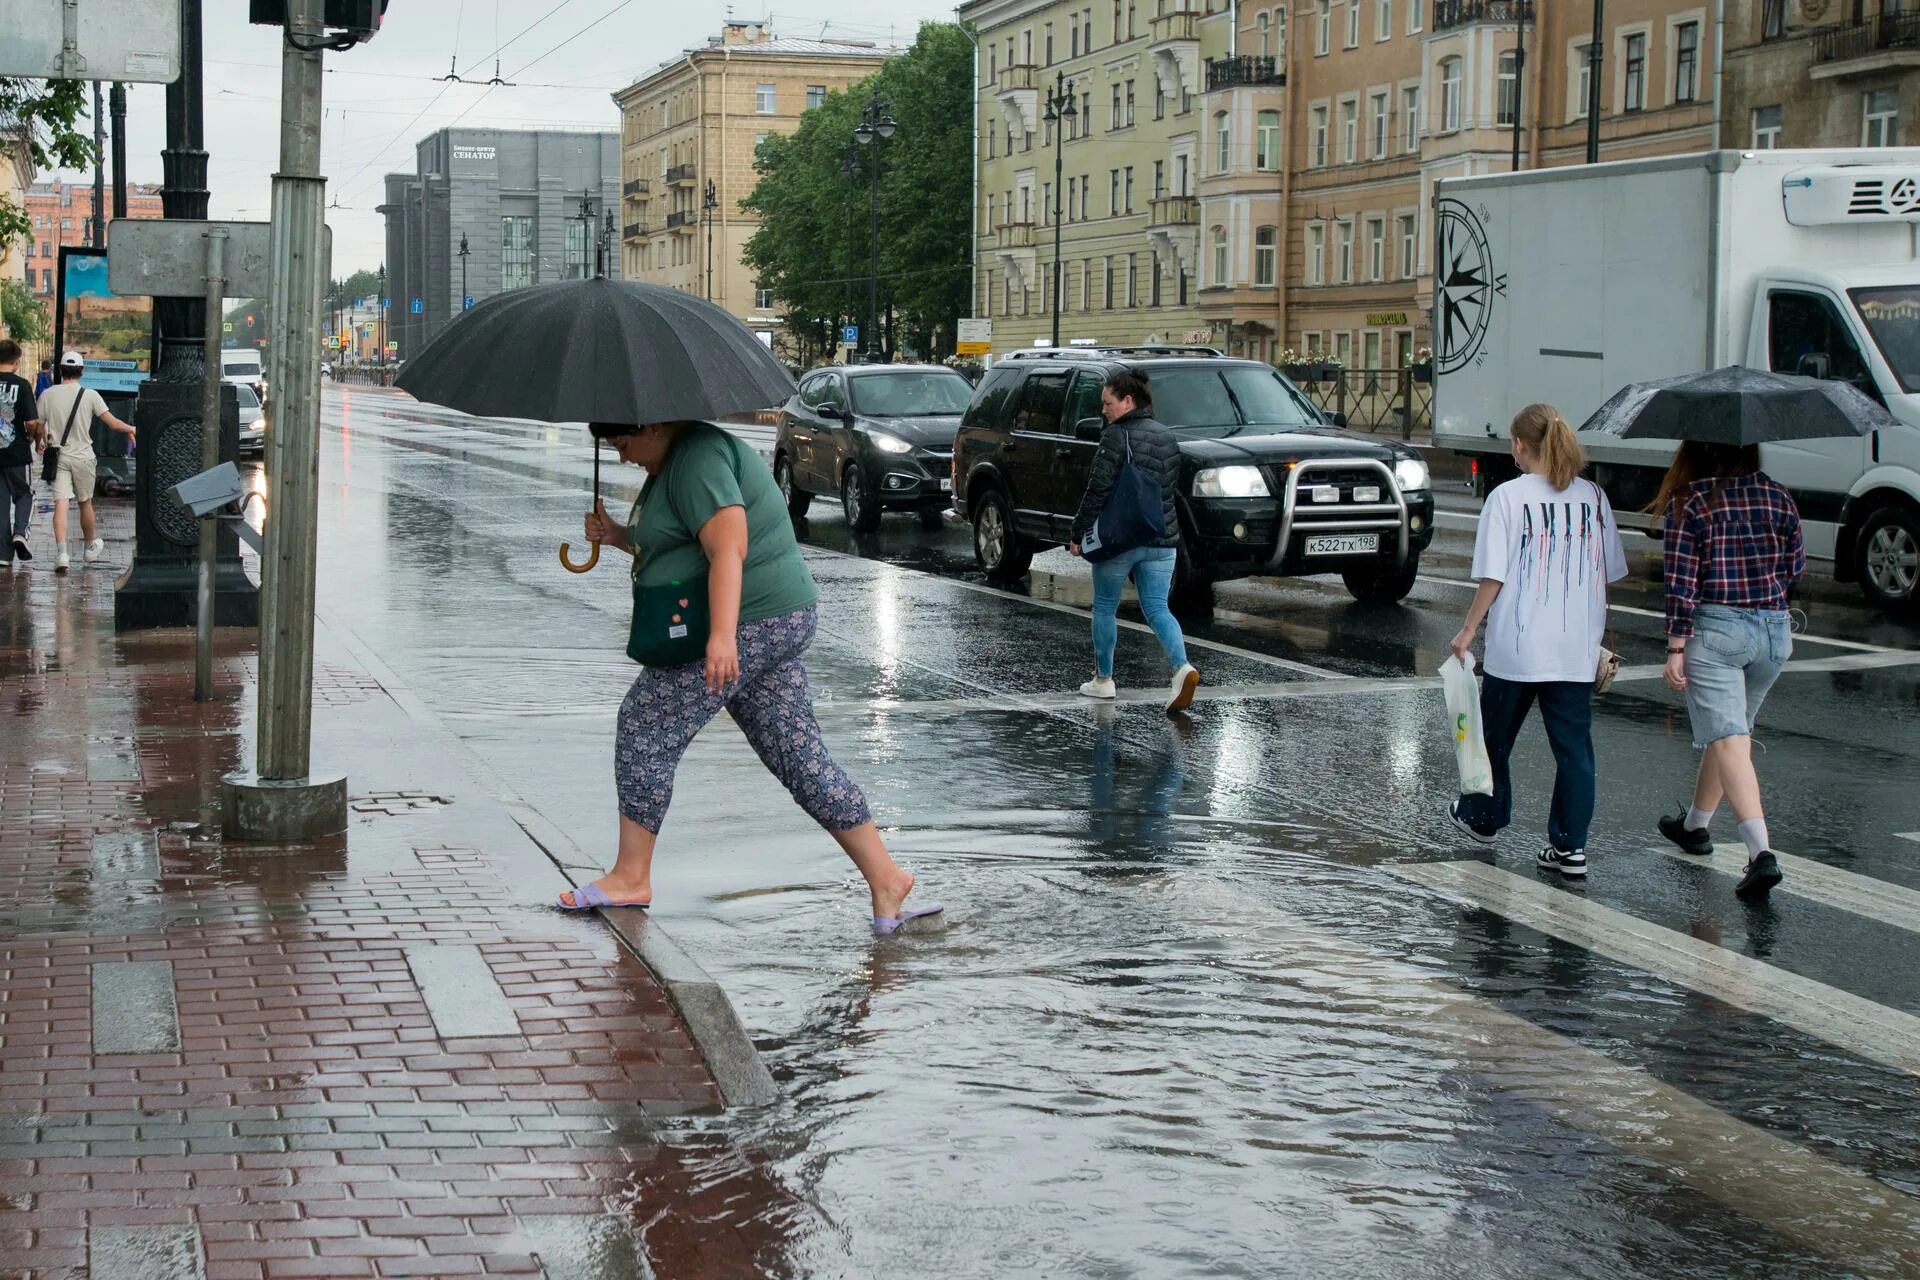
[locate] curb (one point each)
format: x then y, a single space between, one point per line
701 1002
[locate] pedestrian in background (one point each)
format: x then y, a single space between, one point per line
67 414
711 510
45 379
1733 551
1545 551
1133 437
19 432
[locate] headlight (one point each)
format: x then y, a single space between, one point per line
888 444
1230 482
1410 473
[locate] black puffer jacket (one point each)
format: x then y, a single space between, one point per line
1155 451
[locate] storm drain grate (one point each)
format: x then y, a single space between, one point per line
396 803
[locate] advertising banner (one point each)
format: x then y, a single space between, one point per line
114 333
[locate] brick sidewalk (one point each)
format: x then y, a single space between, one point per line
379 1054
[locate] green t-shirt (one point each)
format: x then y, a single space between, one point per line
709 469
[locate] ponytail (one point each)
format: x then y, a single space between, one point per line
1552 441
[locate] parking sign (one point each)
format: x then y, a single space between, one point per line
850 335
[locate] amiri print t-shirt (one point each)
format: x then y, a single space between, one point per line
1554 551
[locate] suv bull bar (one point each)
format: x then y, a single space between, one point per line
1377 515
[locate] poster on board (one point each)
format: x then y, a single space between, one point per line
114 333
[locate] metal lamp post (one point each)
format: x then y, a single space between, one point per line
709 201
1060 114
462 255
874 124
381 354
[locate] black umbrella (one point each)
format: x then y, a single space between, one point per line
597 351
1739 406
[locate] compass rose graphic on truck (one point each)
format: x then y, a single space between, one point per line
1465 287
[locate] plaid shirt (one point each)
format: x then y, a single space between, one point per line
1743 549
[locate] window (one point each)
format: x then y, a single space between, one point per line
1343 347
1410 108
1353 24
1766 128
1509 106
1113 193
1073 39
1219 256
1266 35
1159 100
1636 73
1414 8
1323 38
1266 252
1380 129
1042 402
765 98
762 299
1116 21
1317 253
1266 152
1222 143
1409 246
1686 62
991 224
1153 286
1881 127
1133 280
576 266
1128 184
1319 137
1086 284
1800 325
1049 44
1450 104
1582 79
816 96
1376 249
1180 172
1773 19
1159 178
1086 30
1383 19
1113 109
1109 274
516 252
1343 252
1129 104
1370 350
1350 130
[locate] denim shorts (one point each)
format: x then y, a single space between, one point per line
1733 658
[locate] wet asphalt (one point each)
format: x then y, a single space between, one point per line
1184 1018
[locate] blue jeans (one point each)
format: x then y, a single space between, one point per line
1567 708
1733 658
1151 569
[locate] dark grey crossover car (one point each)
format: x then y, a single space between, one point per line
880 436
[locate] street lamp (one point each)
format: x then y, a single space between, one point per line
587 222
1060 114
462 255
382 353
874 124
708 203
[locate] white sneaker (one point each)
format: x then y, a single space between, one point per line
94 550
1100 687
1180 692
60 561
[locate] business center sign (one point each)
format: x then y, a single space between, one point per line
474 157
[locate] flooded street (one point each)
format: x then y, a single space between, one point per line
1219 995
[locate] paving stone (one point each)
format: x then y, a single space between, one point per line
133 1007
144 1253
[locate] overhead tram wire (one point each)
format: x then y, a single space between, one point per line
549 53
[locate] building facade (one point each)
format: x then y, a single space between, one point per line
531 206
690 128
62 213
1822 73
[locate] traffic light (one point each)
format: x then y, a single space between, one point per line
358 19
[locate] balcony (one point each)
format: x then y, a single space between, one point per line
1880 43
680 174
1173 228
1175 50
1014 253
635 187
1243 71
1173 211
681 218
1450 15
1019 97
1014 235
633 231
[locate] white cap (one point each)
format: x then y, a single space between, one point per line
73 360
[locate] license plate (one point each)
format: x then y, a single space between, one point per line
946 485
1343 544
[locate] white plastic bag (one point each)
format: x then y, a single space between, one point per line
1463 718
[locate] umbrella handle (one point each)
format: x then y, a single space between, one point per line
593 558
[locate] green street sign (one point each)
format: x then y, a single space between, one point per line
227 327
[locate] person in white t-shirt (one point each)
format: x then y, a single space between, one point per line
1546 549
70 429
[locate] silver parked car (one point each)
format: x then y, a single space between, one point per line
253 423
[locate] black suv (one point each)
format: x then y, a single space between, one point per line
1267 485
880 436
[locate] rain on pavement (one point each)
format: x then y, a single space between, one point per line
1222 995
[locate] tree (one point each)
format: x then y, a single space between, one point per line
361 284
811 248
23 317
41 116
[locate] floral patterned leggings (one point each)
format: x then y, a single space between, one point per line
667 706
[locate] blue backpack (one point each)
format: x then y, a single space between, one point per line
1133 516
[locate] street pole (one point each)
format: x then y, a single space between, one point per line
1519 75
210 389
1060 113
708 203
1595 62
99 237
463 270
876 125
117 110
281 801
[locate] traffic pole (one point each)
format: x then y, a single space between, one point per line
210 389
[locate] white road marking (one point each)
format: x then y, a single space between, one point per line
1862 1027
1817 882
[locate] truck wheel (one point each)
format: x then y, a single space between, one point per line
933 519
1388 585
1495 469
862 508
1888 557
1192 593
997 545
798 499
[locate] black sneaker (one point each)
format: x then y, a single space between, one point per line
1688 840
1763 872
1567 862
1467 829
20 549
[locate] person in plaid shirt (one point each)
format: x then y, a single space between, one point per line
1733 553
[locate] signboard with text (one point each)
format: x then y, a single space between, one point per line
974 336
114 333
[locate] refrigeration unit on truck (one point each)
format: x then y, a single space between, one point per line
1565 285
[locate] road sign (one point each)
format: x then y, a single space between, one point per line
93 40
227 327
467 303
167 257
385 303
392 347
850 334
974 337
416 307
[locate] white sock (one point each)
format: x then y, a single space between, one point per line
1698 819
1754 832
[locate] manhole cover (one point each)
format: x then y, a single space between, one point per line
395 803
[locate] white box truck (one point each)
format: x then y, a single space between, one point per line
1565 285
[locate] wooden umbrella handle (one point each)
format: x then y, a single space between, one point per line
593 558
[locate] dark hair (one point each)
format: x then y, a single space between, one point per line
1131 384
9 351
612 430
1699 460
69 372
46 364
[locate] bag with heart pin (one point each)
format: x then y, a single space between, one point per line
670 623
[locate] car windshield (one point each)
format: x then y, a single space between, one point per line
237 368
247 399
904 395
1892 316
1227 401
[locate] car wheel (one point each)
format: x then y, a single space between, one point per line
798 499
1888 557
862 508
997 545
933 519
1388 585
1191 595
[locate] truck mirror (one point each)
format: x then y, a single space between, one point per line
1090 428
1334 419
1818 365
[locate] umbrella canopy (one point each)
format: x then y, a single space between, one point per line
597 351
1739 406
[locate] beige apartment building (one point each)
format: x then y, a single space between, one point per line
1822 73
690 128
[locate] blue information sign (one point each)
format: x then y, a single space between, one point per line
417 307
467 304
850 334
385 303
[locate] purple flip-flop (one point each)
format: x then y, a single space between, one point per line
588 897
885 926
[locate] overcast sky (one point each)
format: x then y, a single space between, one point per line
565 57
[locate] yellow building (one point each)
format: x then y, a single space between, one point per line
688 131
16 176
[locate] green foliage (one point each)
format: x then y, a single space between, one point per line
812 247
344 293
42 114
250 320
23 316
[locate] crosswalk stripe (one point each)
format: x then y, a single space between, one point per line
1871 1031
1817 882
1798 1193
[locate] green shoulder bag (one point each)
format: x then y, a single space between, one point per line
671 620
